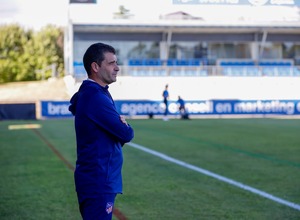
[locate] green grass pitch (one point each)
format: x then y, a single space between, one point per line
37 177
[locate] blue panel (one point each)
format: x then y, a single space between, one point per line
239 2
53 109
79 70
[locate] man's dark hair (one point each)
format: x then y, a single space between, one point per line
95 53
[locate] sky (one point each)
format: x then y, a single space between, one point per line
34 14
37 13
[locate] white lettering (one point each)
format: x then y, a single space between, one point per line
173 108
139 108
265 107
298 107
282 2
199 107
223 108
58 109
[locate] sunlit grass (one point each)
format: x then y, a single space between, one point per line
262 153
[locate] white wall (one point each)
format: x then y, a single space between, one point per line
204 88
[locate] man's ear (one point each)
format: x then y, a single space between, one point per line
95 66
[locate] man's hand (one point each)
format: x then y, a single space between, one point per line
123 119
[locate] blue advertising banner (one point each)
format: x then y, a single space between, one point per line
239 2
212 107
55 109
280 107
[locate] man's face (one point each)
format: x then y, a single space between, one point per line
108 70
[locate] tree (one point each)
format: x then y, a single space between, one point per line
48 46
28 55
12 42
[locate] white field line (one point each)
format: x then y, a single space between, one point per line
216 176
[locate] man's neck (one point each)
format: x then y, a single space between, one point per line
97 81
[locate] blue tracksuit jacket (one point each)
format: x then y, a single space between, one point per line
100 135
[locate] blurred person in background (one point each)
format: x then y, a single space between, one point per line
100 135
165 95
182 109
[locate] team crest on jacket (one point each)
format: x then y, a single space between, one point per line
109 207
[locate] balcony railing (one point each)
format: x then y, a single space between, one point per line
194 67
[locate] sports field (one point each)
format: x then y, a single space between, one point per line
179 169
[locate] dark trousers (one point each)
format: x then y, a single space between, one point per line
166 110
98 208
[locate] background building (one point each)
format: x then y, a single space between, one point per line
163 38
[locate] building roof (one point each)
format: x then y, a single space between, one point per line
182 18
